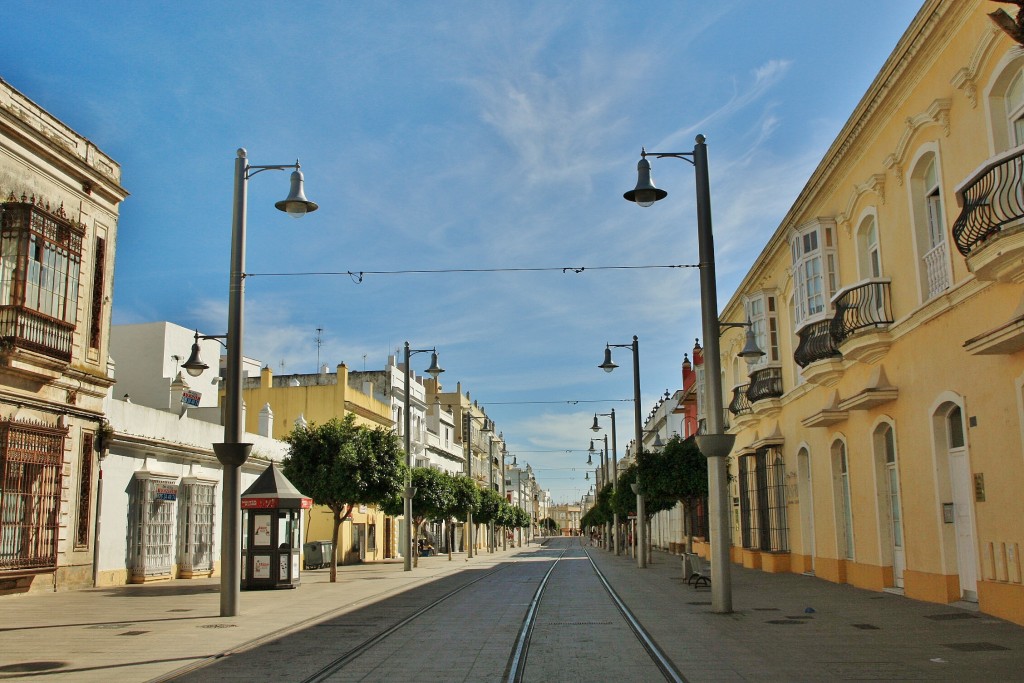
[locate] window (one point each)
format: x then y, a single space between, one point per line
195 526
763 317
84 492
40 263
929 227
763 524
31 458
814 269
151 526
844 514
98 283
1013 103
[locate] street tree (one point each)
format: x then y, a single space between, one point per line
467 502
678 473
432 501
340 464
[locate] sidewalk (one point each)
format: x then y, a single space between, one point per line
144 632
790 627
784 627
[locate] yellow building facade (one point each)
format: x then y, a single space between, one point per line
880 441
368 534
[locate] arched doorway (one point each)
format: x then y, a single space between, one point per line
806 498
890 510
955 486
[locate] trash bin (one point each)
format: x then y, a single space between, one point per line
317 554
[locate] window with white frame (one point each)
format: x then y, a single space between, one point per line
195 525
151 525
1005 94
1013 106
929 227
762 312
815 270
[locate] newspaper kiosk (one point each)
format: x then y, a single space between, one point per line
271 526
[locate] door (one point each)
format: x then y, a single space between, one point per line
806 498
963 519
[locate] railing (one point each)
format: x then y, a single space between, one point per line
24 328
739 404
865 304
765 383
992 198
935 267
816 343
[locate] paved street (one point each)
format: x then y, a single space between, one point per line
785 627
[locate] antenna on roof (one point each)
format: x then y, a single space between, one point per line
319 343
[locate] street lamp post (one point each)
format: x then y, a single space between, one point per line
468 418
434 370
715 445
615 473
604 482
608 365
504 532
233 453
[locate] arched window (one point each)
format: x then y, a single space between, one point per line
929 227
843 502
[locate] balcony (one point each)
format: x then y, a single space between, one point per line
740 405
988 232
765 383
34 344
860 327
817 353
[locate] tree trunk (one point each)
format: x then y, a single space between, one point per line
334 545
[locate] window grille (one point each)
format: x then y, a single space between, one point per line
195 527
84 493
152 530
98 282
763 519
31 459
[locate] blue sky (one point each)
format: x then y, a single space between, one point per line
452 135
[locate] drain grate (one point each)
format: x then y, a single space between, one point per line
975 647
180 609
132 633
785 621
767 609
800 616
951 616
698 603
218 626
111 626
865 627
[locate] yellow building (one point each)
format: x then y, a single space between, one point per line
879 441
283 401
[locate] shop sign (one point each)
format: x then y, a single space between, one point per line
190 397
166 492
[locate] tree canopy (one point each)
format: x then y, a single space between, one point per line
340 464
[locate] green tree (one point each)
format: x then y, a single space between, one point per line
679 473
549 525
433 500
467 502
490 504
340 464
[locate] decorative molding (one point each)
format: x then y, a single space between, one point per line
965 78
937 113
875 183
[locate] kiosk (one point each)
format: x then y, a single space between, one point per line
271 525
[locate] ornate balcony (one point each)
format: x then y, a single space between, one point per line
34 344
765 383
988 231
816 343
860 327
739 405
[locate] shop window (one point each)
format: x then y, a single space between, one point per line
195 526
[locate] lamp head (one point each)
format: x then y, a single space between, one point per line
596 427
590 460
608 365
591 449
295 204
751 352
645 193
194 366
434 370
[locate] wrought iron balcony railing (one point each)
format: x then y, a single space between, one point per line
24 328
861 306
991 199
765 383
740 405
816 343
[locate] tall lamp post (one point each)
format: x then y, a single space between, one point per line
715 445
434 370
605 480
608 365
615 471
468 418
233 453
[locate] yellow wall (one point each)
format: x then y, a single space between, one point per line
318 403
922 101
